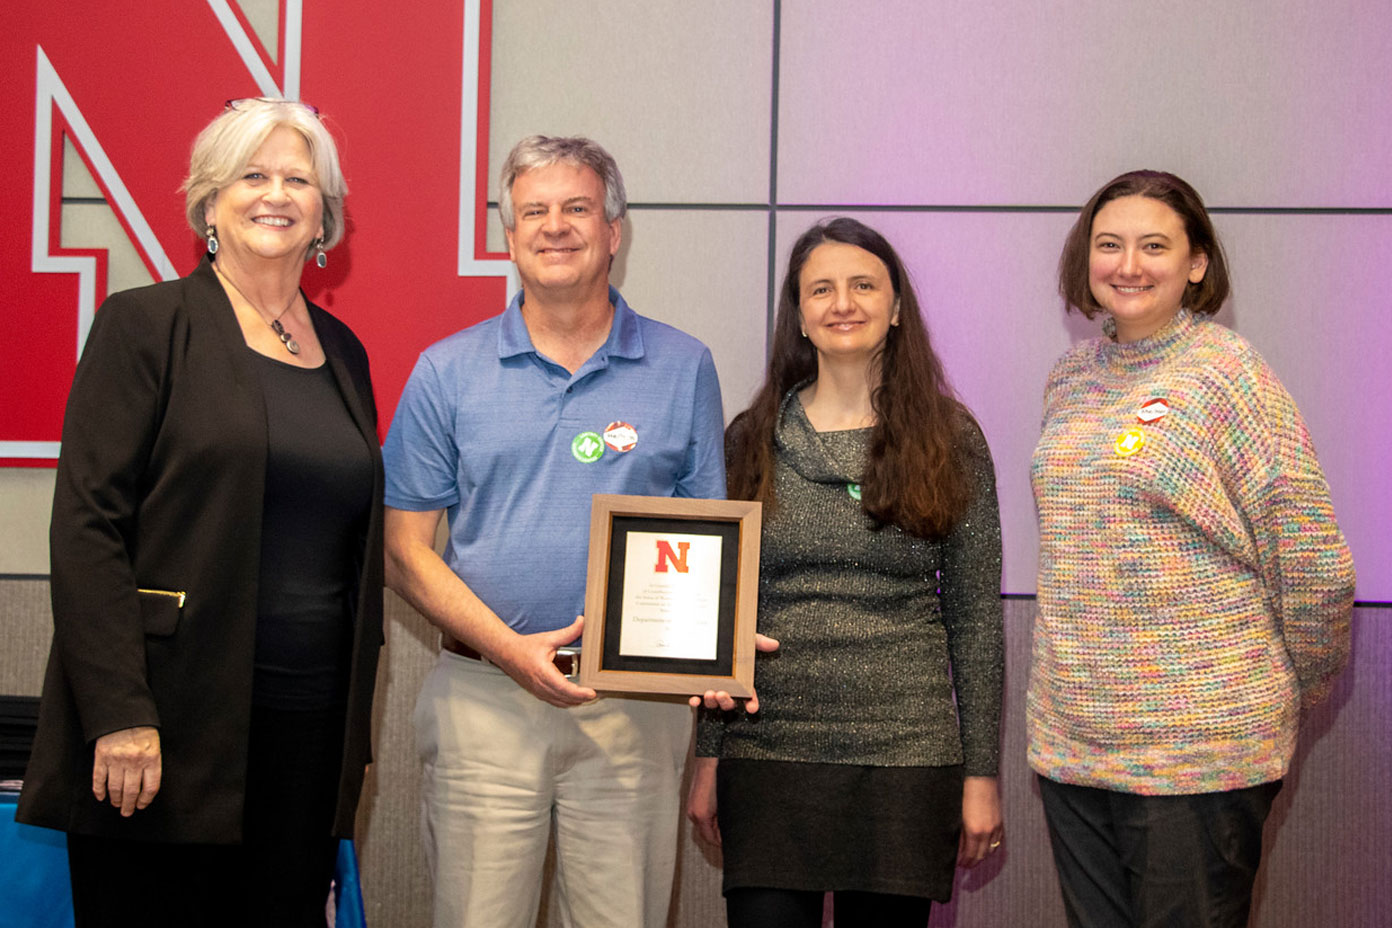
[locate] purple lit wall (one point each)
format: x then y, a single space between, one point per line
987 281
962 137
1277 103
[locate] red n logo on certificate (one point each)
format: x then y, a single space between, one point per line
670 595
665 556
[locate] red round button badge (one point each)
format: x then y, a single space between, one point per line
1153 410
620 436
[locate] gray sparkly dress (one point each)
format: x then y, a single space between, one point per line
884 693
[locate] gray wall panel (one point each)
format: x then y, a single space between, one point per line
958 102
677 92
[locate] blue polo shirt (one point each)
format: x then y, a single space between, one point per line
513 446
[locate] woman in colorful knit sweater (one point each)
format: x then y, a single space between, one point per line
870 768
1194 588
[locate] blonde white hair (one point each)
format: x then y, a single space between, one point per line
225 146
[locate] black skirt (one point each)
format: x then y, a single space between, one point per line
788 825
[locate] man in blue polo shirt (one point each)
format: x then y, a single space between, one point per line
510 427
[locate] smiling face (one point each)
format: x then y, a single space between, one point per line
273 210
846 301
561 242
1140 263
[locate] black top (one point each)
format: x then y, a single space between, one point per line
318 494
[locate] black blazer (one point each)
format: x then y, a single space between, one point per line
159 487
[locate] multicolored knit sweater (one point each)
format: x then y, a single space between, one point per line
1194 588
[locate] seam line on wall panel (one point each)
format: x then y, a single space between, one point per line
656 205
923 208
773 181
950 208
1044 208
745 207
1303 210
11 577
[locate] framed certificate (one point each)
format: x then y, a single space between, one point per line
671 595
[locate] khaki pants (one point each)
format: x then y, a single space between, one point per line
502 768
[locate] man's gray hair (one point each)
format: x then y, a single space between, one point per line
539 151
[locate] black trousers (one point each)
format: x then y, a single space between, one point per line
278 877
1156 861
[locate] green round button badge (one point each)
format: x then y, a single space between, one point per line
854 490
587 447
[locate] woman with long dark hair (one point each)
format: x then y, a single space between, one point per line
870 769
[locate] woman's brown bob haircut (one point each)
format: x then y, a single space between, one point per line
1203 298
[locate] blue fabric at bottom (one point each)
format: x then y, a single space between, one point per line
34 888
35 891
348 889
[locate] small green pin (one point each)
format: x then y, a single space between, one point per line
587 447
854 490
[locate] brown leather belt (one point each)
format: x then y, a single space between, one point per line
567 662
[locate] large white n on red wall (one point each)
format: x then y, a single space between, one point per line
403 87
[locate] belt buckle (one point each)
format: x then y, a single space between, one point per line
571 654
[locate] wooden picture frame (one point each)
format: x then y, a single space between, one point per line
671 595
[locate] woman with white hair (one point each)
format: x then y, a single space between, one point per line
216 555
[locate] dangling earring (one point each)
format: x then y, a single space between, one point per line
211 235
320 259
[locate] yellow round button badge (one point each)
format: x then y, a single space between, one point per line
1129 442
